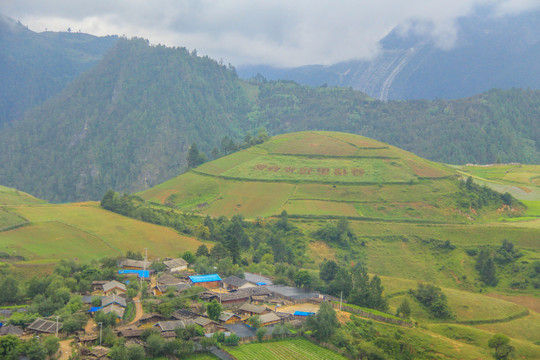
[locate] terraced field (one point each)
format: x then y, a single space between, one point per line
298 349
317 174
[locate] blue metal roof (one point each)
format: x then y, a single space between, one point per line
204 278
94 309
303 313
140 273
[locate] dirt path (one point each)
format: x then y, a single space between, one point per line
90 326
139 309
65 349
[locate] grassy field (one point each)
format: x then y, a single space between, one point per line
10 196
8 219
465 305
297 348
61 231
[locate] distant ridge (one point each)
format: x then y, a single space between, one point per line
490 52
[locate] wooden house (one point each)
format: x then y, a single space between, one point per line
248 310
236 283
269 319
151 319
114 287
210 281
175 265
227 318
129 264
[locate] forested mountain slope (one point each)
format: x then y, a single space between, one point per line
127 123
490 52
36 66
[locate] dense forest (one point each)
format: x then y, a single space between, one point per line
129 122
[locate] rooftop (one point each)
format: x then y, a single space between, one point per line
204 278
43 325
235 281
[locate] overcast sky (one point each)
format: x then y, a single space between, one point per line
274 32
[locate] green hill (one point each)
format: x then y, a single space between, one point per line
326 175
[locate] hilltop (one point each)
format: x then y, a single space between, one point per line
36 66
327 175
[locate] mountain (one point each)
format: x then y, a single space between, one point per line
326 174
36 66
128 122
490 52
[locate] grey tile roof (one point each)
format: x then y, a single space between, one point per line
174 263
234 281
114 284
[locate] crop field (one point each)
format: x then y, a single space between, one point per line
87 223
298 349
250 199
9 219
347 170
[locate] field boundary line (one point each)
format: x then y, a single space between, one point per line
307 181
519 315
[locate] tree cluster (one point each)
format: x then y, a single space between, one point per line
433 299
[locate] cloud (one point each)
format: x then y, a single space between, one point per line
275 32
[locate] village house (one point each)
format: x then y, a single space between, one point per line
269 319
248 310
129 264
236 283
210 281
229 318
150 319
166 281
97 286
175 265
114 287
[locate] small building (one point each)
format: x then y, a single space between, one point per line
97 286
236 283
269 319
248 310
129 264
130 333
11 330
115 309
302 315
44 326
170 325
208 325
175 265
167 281
88 339
113 299
114 287
151 319
98 353
229 318
210 281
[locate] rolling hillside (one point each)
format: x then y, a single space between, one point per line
322 174
38 234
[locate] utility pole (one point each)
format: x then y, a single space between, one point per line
57 326
340 300
100 331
